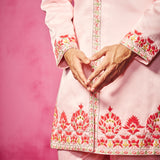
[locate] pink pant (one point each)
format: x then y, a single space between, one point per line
74 155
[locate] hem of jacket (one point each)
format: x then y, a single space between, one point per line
106 152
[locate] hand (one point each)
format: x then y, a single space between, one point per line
115 61
75 59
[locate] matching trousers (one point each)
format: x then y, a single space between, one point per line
76 155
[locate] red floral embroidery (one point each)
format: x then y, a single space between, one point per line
63 121
63 133
85 139
140 41
55 137
138 33
62 44
153 122
129 35
133 125
63 138
55 117
146 43
110 136
125 136
117 142
152 50
133 142
156 136
148 142
109 123
74 139
80 121
143 46
102 141
141 136
68 131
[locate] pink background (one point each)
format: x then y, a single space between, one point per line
29 81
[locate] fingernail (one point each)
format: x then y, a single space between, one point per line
87 61
88 80
92 89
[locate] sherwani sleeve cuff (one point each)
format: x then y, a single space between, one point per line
61 45
145 48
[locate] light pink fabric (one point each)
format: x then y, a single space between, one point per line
74 155
124 117
120 157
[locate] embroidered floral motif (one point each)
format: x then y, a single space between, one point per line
63 121
130 137
109 124
133 143
80 121
148 142
55 117
143 46
114 138
133 125
102 141
74 139
117 142
153 123
71 133
62 44
85 139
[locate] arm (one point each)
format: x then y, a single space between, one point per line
144 38
143 41
59 15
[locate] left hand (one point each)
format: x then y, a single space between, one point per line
115 62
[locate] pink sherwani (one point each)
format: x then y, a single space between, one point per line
124 118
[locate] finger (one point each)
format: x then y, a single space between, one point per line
76 76
102 67
80 72
83 58
102 78
96 72
99 54
108 80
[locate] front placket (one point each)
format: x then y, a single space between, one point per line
96 46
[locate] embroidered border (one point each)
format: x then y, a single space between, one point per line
132 138
145 47
96 45
62 44
73 133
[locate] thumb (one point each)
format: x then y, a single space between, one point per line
83 58
99 54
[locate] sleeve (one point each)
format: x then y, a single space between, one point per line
59 20
144 37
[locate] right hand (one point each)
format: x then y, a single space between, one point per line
75 59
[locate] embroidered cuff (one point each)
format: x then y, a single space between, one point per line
62 44
145 47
